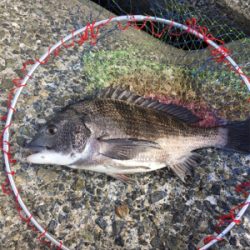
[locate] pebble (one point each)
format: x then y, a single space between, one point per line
216 189
119 241
155 242
122 210
101 223
2 63
52 225
117 227
62 218
157 196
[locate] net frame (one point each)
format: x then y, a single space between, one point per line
219 52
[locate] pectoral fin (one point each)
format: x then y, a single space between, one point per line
125 149
184 166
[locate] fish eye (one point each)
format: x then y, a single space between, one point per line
52 129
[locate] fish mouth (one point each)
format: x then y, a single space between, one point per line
36 148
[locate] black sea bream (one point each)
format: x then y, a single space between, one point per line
117 132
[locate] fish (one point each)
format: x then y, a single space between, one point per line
118 132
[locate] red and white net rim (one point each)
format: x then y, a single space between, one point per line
138 18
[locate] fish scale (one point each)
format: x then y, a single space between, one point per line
141 122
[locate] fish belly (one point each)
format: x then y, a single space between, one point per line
142 163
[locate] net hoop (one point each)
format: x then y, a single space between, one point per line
128 18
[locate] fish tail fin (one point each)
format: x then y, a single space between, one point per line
238 136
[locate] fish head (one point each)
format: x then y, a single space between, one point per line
60 141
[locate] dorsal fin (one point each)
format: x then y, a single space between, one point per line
117 93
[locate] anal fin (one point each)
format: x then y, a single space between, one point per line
184 165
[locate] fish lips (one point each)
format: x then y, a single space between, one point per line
35 148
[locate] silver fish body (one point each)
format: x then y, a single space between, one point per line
118 133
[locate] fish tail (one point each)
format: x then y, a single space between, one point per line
238 136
